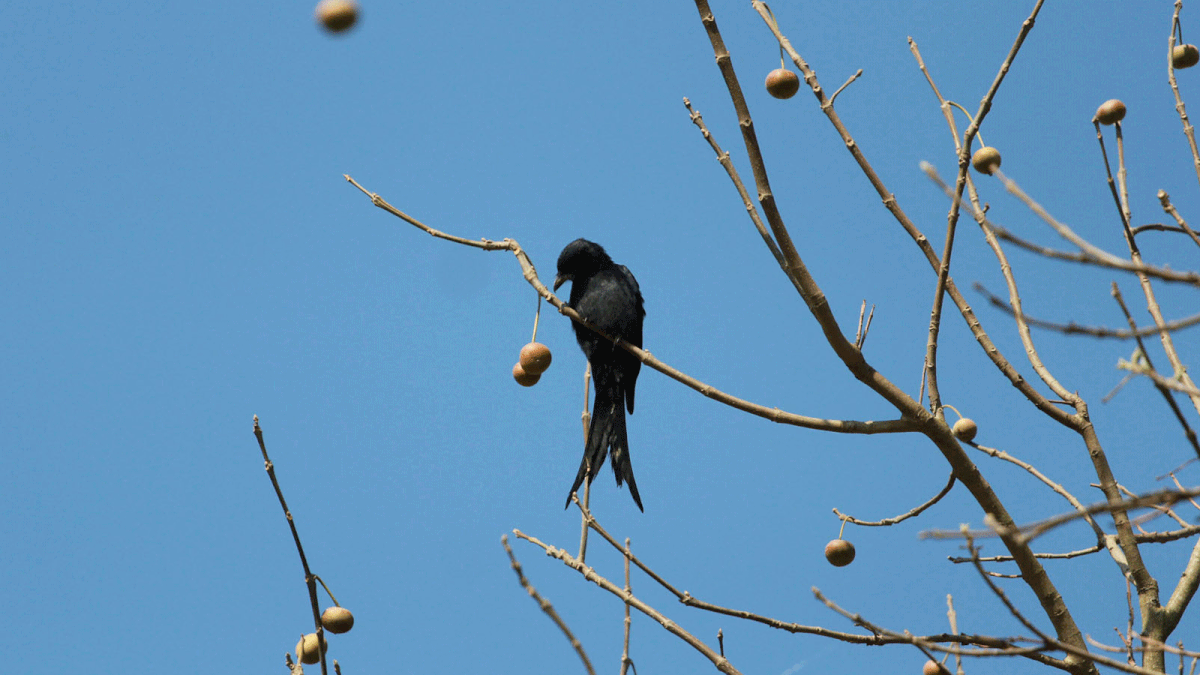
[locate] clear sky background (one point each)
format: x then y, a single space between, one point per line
181 253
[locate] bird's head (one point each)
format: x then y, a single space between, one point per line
580 260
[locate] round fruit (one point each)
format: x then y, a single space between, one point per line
1111 111
932 668
306 649
782 83
965 429
1185 56
523 378
337 15
337 620
839 552
986 160
535 358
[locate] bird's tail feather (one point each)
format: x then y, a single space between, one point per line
607 432
622 467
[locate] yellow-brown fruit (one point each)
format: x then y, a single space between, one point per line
337 15
782 83
534 358
1111 111
306 649
523 378
337 620
839 552
933 668
965 429
986 160
1185 56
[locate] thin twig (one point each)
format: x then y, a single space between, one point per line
1056 487
723 158
1158 511
587 484
1180 108
1169 383
858 333
1188 432
853 77
1129 630
1143 538
595 525
952 617
309 577
1165 200
625 660
928 642
904 516
1045 556
1158 227
1035 530
546 607
1014 299
1155 644
1090 255
1073 328
866 329
1179 486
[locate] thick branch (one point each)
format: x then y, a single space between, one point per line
936 429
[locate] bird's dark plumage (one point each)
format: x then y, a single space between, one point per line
607 295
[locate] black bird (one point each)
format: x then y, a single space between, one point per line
605 294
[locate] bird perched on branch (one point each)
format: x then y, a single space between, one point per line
606 295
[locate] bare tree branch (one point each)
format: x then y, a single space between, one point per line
548 608
1165 200
1029 532
531 276
1180 108
722 664
935 428
1188 432
928 642
1099 259
310 579
1080 652
904 516
1073 328
751 210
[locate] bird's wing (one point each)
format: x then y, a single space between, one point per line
634 334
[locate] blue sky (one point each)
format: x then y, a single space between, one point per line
182 253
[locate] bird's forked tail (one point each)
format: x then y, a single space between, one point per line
607 436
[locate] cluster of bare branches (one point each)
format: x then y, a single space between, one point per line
1154 614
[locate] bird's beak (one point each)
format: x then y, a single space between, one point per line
560 280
